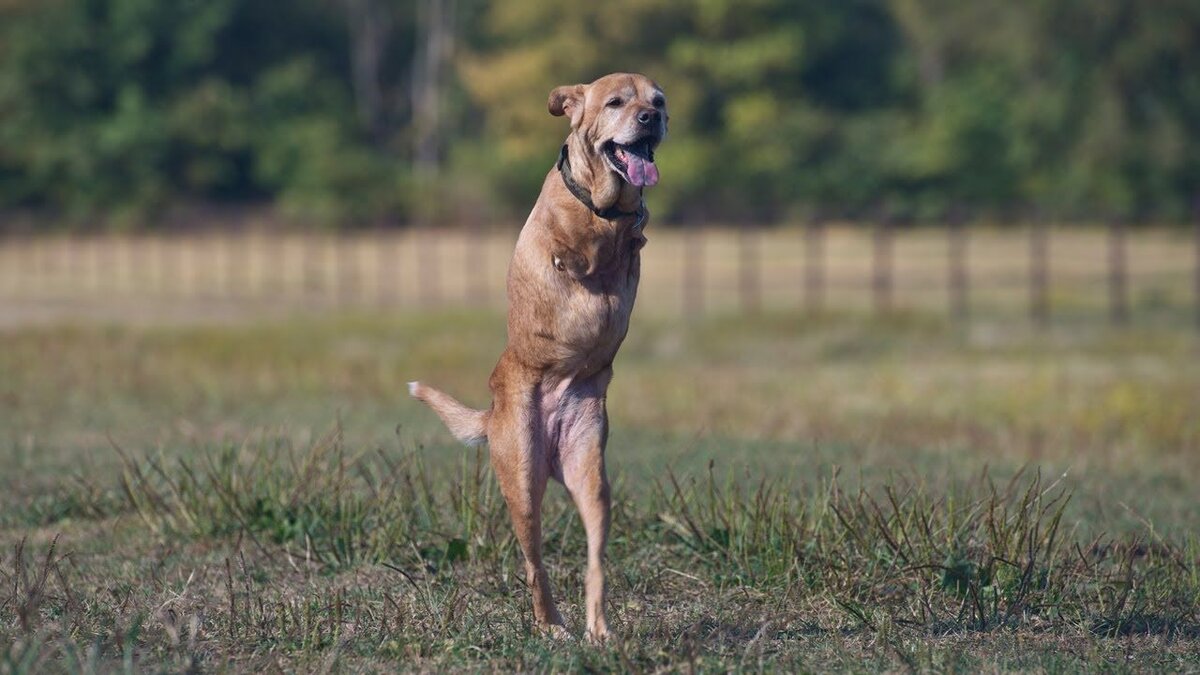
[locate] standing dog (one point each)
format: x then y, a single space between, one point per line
571 287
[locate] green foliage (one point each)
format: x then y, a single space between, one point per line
918 104
127 106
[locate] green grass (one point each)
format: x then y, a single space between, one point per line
791 493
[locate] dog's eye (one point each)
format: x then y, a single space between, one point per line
614 102
658 102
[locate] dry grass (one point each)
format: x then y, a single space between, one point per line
794 492
316 559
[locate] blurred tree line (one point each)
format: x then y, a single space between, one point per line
368 111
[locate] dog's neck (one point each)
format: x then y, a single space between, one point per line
594 185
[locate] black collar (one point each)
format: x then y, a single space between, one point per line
584 195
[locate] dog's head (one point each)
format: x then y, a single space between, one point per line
616 123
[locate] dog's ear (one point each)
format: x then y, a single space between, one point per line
567 100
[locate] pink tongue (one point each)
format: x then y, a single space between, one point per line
641 170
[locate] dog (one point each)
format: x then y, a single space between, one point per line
571 288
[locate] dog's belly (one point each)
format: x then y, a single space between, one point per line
573 420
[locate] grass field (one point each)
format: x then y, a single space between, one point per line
792 492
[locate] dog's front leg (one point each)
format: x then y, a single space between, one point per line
518 458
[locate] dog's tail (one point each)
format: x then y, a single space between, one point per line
468 425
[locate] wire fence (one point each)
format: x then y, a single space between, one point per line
1119 272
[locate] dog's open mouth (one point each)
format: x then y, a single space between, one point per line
634 162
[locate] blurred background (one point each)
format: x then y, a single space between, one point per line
821 155
380 112
888 231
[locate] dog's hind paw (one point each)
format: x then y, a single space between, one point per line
413 388
597 638
556 631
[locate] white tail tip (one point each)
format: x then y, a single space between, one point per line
412 388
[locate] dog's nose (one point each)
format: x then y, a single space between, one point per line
648 117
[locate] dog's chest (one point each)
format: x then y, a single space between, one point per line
613 260
605 272
598 293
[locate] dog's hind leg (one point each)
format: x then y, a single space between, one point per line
581 450
518 453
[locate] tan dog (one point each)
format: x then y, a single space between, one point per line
571 287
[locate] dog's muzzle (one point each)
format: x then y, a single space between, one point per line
634 161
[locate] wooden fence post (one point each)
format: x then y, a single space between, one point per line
403 242
428 268
252 274
19 267
310 259
959 279
693 272
155 250
126 265
185 266
881 264
1039 271
12 263
476 261
7 267
814 264
89 264
224 264
29 259
1118 295
69 274
37 260
1196 261
336 242
379 245
346 275
36 263
750 268
241 264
